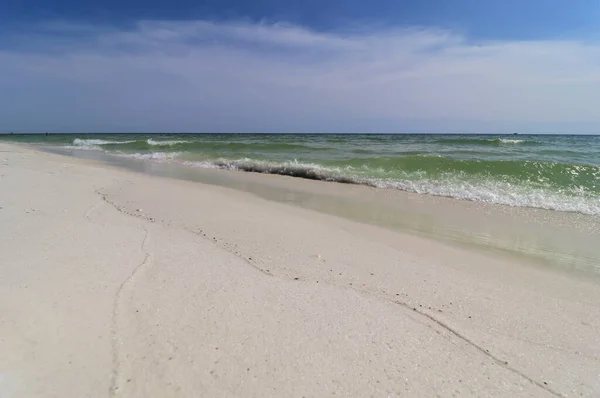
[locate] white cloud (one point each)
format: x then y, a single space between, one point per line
203 76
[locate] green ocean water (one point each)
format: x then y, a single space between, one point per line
553 172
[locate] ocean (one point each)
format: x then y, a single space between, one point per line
555 172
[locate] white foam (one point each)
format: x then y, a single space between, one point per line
450 185
83 147
150 141
92 144
84 142
509 141
499 192
289 168
488 191
157 156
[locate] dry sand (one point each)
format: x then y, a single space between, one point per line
121 284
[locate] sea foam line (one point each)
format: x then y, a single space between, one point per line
450 185
509 141
88 142
156 156
150 141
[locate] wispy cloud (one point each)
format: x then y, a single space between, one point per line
201 75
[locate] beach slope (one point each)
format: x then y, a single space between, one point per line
114 283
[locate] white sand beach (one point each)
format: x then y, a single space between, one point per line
121 284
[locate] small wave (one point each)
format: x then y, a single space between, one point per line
497 192
82 147
448 185
89 142
547 185
236 146
309 171
508 141
150 141
93 144
195 145
489 141
160 156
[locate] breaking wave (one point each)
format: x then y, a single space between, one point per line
95 144
557 173
537 194
484 141
151 142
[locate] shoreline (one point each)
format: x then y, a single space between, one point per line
549 173
556 239
140 284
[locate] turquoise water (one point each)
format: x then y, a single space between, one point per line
552 172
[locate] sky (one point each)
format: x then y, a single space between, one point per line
386 66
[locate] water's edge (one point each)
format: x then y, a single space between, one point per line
560 173
547 238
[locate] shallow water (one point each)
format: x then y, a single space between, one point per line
560 173
562 240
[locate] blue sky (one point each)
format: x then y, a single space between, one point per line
301 66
